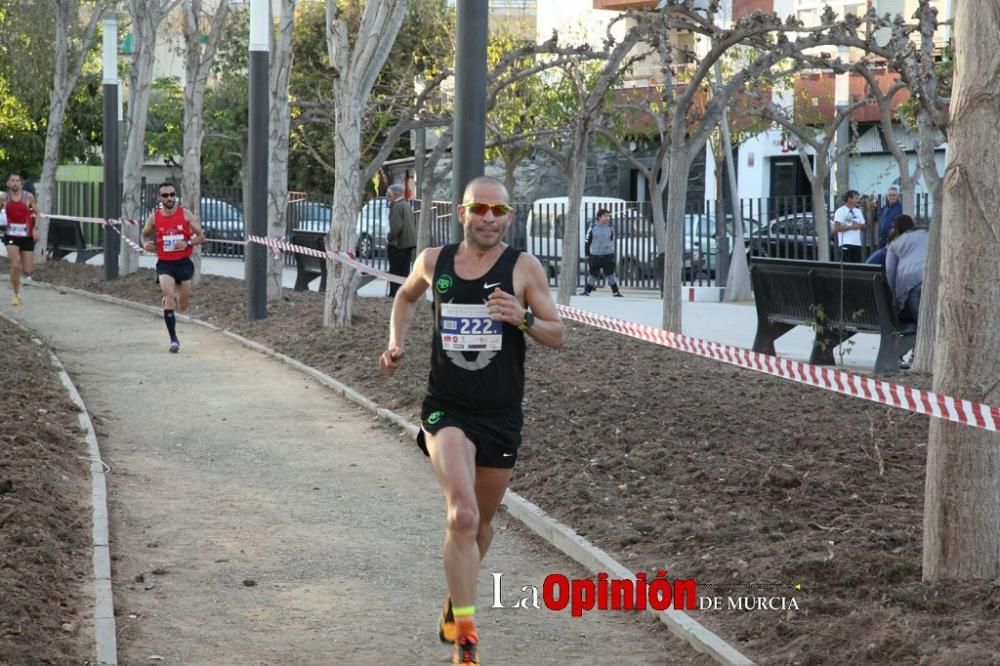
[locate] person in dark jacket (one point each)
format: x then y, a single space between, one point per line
600 248
892 209
402 237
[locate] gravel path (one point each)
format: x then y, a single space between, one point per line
258 518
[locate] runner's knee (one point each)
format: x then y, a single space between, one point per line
464 517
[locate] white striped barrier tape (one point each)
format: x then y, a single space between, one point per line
114 224
966 412
948 408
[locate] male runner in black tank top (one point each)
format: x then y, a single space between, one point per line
486 297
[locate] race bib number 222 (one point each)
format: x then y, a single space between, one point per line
468 327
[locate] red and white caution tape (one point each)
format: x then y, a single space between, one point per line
966 412
347 258
93 220
114 224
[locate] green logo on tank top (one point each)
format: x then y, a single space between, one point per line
443 284
434 417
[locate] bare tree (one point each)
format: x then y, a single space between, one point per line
587 80
962 501
198 59
356 64
911 51
771 40
884 100
431 177
146 17
72 45
279 122
816 137
921 72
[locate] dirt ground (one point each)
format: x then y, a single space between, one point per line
720 475
45 560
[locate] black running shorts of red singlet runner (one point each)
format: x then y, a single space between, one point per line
24 243
180 270
497 437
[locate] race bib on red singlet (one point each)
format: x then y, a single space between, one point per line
170 242
468 327
20 230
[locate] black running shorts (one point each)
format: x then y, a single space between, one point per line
25 243
180 270
497 437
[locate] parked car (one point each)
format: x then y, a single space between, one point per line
221 220
310 216
790 236
373 227
372 223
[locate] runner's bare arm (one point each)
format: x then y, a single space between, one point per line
548 328
197 233
148 231
403 307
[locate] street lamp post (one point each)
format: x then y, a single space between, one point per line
472 17
256 216
112 111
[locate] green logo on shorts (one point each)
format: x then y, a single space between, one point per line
434 417
443 284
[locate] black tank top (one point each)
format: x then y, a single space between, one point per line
477 364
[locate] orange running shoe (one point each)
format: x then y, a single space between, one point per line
466 651
447 630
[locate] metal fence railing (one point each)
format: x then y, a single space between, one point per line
772 227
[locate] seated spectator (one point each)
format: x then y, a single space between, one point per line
904 267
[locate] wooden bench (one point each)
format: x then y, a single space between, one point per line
308 267
66 236
836 300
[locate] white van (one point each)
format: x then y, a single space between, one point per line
546 221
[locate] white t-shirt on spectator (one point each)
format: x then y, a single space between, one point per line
845 215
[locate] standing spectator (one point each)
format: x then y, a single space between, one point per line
599 245
892 209
904 267
402 237
848 221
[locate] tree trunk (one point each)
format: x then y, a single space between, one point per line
509 178
46 183
962 499
356 71
53 133
659 225
821 217
570 267
343 236
279 122
144 25
67 72
923 357
673 245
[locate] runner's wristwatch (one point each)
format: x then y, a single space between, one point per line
527 322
